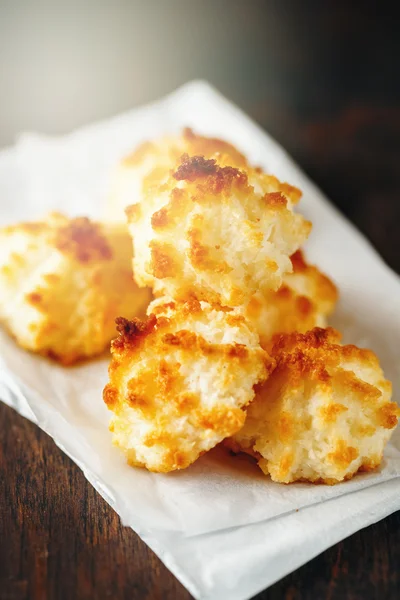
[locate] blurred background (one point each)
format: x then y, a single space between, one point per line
321 77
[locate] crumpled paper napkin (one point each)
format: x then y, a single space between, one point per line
223 528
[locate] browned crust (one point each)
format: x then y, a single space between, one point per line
110 396
195 167
317 356
389 415
130 332
275 200
291 192
217 179
298 262
313 339
330 412
83 240
343 455
34 298
190 142
162 262
200 255
222 421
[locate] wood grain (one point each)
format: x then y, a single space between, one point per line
59 538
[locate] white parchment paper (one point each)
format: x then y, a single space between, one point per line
222 527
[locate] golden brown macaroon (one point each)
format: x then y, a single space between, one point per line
62 283
179 382
151 162
208 231
305 300
324 413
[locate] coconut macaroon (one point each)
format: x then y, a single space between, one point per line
62 283
207 231
305 300
324 413
150 163
179 382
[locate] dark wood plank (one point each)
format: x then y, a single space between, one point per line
58 538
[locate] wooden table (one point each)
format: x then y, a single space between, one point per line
340 120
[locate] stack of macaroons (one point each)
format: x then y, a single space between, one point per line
232 348
235 346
